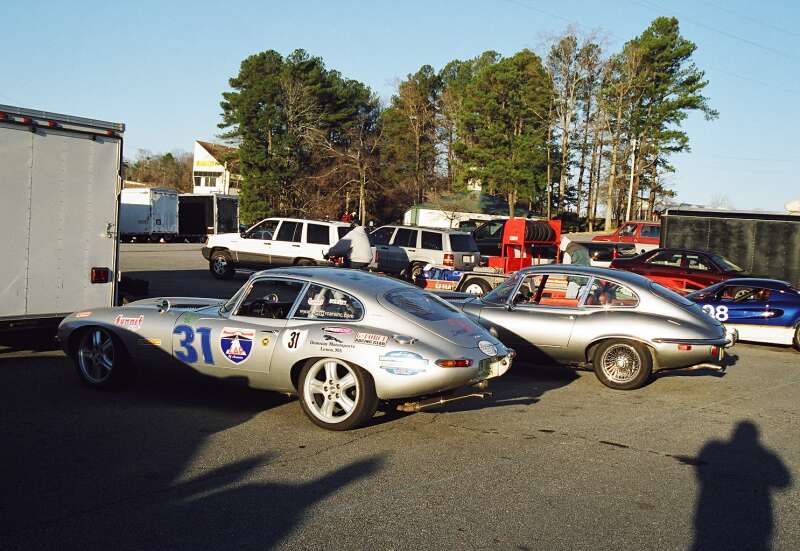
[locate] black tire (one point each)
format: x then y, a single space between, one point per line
221 265
304 262
101 359
618 373
364 397
797 338
414 270
476 283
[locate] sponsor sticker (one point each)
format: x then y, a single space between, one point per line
83 314
149 341
294 339
265 341
236 343
134 324
316 301
337 330
371 338
338 301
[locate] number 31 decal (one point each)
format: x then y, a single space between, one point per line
720 313
189 353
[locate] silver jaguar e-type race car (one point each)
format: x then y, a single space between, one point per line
341 340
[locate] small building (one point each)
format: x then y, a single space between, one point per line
215 169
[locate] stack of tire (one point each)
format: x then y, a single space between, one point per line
539 230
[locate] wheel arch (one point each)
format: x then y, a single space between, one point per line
592 346
297 367
74 338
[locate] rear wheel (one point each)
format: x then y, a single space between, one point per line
337 395
221 265
476 287
101 359
414 271
305 262
622 364
797 337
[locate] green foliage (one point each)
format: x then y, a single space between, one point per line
275 107
172 170
502 129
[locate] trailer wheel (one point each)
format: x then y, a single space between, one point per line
304 262
415 270
221 265
476 286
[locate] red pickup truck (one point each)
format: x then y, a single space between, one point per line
638 232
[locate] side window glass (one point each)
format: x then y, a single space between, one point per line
666 258
264 231
628 230
323 303
489 230
651 231
528 290
603 293
432 240
341 231
562 290
381 236
318 234
290 231
270 298
736 293
696 262
405 238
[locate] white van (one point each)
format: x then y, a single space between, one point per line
273 242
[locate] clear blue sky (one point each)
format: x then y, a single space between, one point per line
160 67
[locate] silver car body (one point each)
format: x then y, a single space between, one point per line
397 348
676 331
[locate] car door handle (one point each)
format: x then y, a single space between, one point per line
267 243
298 246
412 250
273 331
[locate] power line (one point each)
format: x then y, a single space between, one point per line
724 33
538 10
752 19
764 83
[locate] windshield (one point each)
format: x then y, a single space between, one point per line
228 306
501 293
726 264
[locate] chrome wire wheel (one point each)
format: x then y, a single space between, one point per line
96 356
620 363
473 289
331 390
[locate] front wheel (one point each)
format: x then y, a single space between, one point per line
337 395
101 359
797 338
622 364
221 265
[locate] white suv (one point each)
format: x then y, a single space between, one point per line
272 242
407 249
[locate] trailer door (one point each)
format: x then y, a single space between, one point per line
72 227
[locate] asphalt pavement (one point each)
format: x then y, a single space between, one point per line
553 461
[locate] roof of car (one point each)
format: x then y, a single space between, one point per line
288 219
352 281
426 228
591 271
774 284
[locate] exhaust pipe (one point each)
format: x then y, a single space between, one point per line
414 407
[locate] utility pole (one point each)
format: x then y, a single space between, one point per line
630 187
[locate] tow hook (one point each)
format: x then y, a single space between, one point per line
413 407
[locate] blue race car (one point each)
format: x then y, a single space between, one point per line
762 310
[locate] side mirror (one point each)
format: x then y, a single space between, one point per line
510 306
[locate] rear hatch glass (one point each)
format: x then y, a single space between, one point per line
463 243
434 314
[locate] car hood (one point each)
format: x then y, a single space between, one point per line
176 303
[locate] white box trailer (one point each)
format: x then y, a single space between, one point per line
201 215
60 181
148 214
436 218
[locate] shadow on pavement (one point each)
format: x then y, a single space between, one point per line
187 283
737 478
143 468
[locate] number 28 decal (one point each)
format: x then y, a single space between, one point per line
720 313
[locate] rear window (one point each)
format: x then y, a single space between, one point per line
462 243
432 240
342 230
420 304
318 234
669 295
651 231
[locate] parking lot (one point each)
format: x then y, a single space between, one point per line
553 461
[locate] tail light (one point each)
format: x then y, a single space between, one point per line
100 275
454 363
449 259
685 347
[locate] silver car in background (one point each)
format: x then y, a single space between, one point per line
624 324
341 340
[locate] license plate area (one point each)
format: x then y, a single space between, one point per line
493 367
